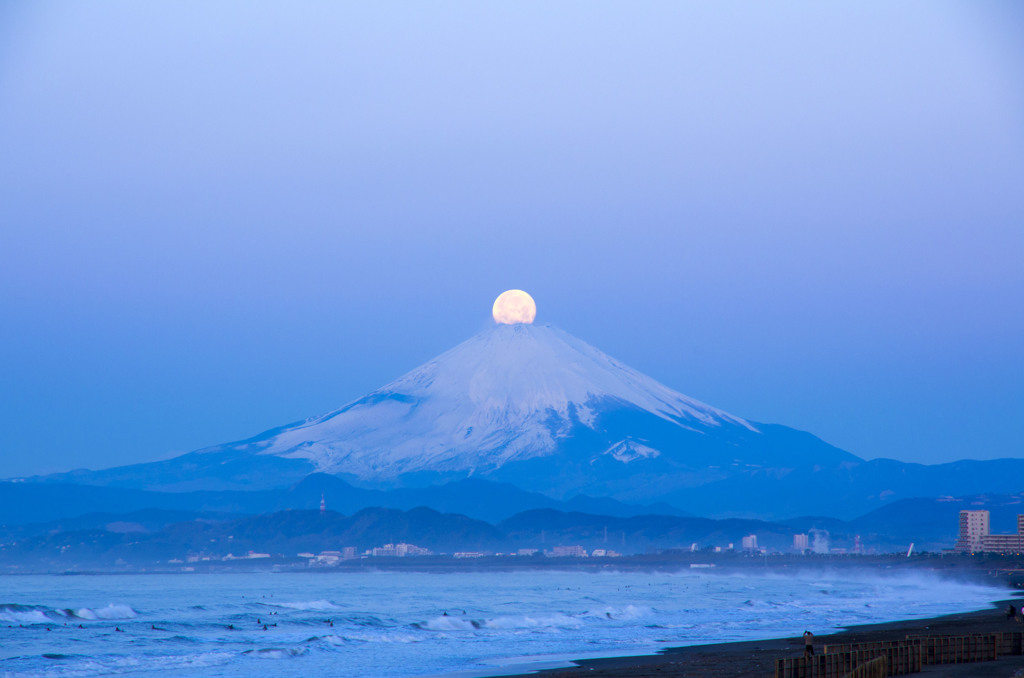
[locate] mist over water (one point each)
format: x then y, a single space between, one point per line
398 624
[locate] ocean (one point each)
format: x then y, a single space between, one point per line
401 624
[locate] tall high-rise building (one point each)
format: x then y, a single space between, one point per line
973 526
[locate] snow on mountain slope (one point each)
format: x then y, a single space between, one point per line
507 394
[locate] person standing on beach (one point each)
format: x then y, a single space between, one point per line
1012 612
808 644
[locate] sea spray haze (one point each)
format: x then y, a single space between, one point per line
397 625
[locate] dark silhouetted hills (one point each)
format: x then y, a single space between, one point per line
25 503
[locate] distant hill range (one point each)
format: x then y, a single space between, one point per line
150 537
544 420
25 503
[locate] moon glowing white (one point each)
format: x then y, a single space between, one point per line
514 307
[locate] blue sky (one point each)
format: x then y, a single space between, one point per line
216 218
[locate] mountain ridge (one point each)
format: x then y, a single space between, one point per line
533 407
508 394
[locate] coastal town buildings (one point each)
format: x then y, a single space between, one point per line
325 558
974 536
399 550
350 553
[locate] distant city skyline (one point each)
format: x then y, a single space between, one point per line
215 220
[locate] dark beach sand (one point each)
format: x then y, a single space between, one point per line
756 659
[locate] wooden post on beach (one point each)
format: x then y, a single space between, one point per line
978 647
1011 642
875 668
900 657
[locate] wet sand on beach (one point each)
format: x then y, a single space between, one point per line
756 659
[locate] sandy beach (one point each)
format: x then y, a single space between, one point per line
756 659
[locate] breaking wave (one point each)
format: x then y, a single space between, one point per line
275 652
41 614
312 605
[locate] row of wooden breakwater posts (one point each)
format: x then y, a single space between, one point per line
900 657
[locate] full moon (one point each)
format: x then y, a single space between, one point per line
514 307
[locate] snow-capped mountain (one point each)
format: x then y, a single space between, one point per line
534 407
510 393
530 404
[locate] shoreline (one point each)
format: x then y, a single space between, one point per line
756 658
1007 569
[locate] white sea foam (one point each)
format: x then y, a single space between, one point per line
312 605
24 614
372 637
41 614
111 611
275 653
450 623
553 621
627 612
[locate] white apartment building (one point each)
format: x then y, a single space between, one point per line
973 526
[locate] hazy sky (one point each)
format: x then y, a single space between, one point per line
219 217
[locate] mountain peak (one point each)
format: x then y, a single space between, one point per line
509 393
